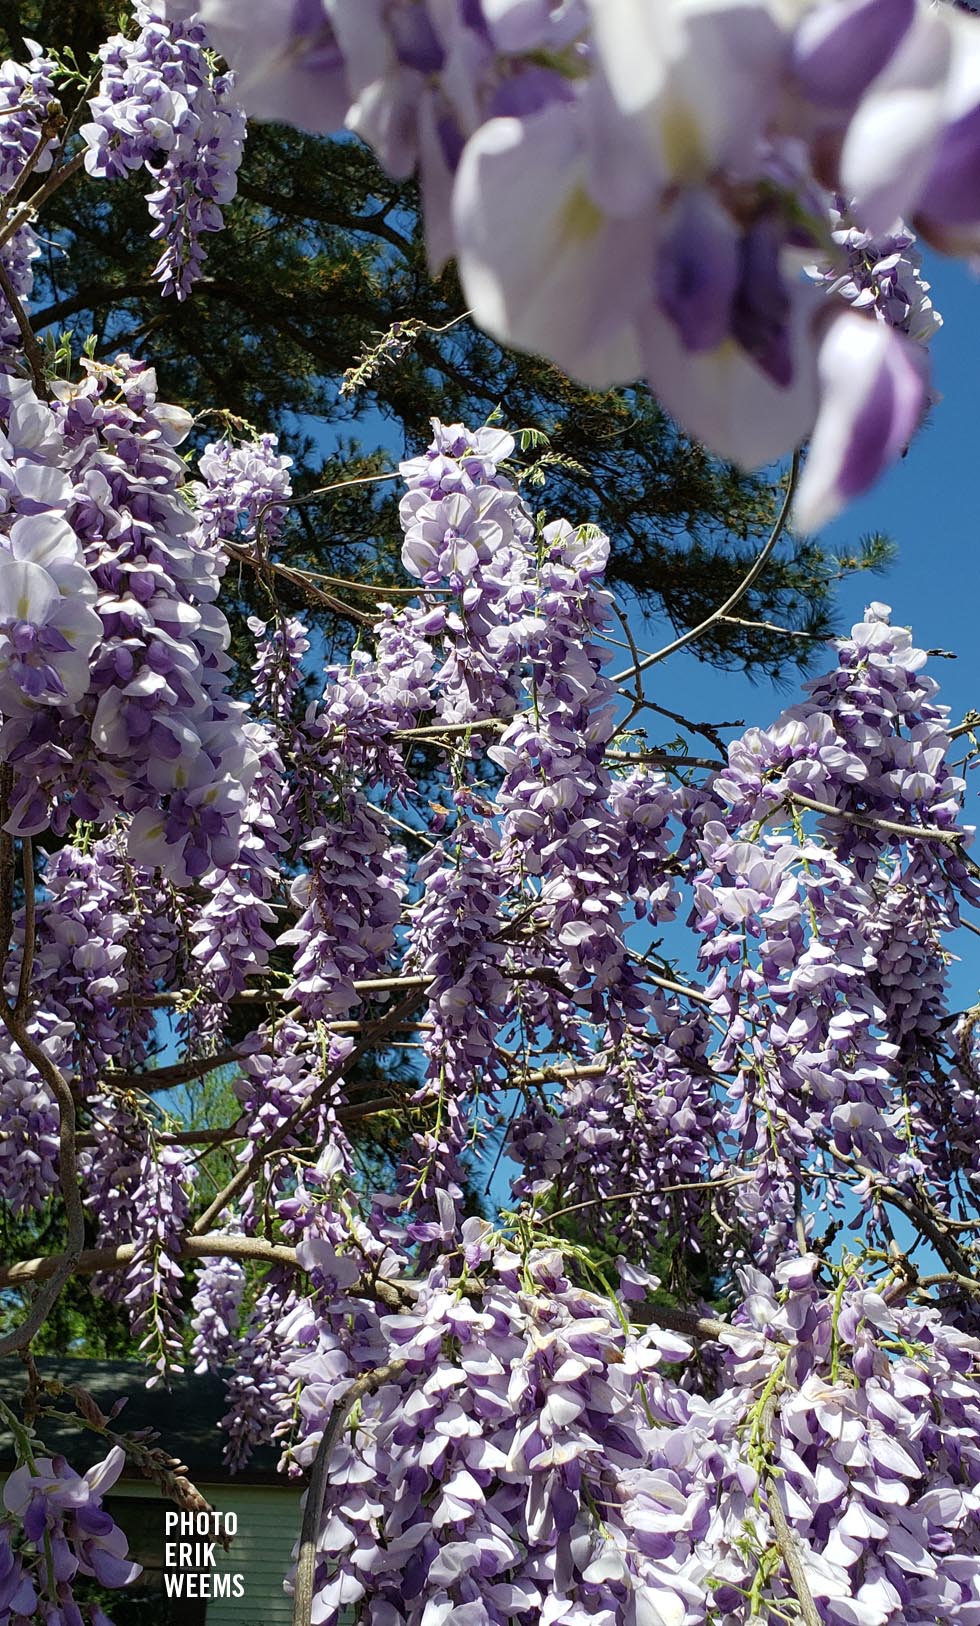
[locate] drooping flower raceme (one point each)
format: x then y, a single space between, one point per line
112 647
161 106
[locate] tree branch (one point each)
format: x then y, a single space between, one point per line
908 832
374 225
30 206
313 1508
23 1001
786 1540
92 1260
748 581
32 350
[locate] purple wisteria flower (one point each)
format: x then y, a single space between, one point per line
161 106
62 1510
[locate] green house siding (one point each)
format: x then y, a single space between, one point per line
268 1525
269 1518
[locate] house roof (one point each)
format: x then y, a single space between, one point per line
186 1416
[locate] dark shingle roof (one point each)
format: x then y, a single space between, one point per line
186 1417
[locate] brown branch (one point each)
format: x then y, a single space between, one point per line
90 297
263 996
708 731
53 122
216 1245
394 1294
918 832
351 1112
786 1540
373 225
92 1260
8 869
749 579
174 1074
930 1224
966 1284
668 759
313 1509
707 1328
372 985
32 350
969 725
267 567
30 206
23 1001
771 626
428 731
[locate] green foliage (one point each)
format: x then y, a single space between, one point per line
81 1323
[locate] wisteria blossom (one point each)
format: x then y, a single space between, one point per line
518 1232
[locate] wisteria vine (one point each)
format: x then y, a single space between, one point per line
574 1338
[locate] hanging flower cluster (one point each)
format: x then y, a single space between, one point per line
30 123
67 1533
112 652
162 107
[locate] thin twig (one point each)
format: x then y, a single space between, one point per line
32 350
916 832
261 996
720 1184
668 759
30 206
771 626
8 869
785 1538
48 132
23 1001
748 581
966 1284
262 565
314 496
349 1112
175 1073
428 730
